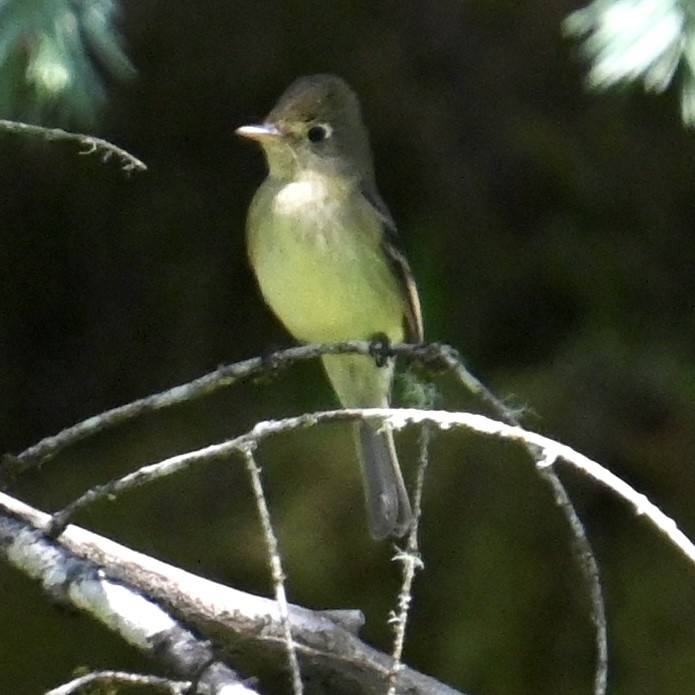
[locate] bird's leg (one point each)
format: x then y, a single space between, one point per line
380 349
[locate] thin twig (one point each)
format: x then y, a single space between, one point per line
590 570
275 561
588 566
92 144
582 547
398 418
441 356
411 561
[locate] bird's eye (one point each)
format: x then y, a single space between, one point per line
319 133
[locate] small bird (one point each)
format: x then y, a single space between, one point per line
324 250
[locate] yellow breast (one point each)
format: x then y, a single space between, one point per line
316 251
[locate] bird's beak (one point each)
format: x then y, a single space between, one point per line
262 133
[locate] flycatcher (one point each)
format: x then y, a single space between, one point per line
324 249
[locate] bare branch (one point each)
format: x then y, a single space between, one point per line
410 560
587 564
275 561
435 356
550 452
81 580
91 144
157 684
229 618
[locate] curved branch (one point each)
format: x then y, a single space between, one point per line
90 143
433 356
550 452
436 356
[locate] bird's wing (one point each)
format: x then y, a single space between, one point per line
392 248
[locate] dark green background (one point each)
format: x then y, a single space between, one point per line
551 232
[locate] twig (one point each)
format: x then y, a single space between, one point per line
398 418
411 562
582 547
92 144
589 569
441 356
276 570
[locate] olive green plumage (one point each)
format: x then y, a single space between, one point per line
323 247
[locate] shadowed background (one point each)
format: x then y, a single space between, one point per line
551 233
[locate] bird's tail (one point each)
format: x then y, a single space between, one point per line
388 507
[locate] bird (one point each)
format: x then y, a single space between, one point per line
326 254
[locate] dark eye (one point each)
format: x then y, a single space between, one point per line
319 133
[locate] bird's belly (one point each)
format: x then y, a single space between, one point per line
324 281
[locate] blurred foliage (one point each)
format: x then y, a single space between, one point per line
55 57
629 40
551 232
